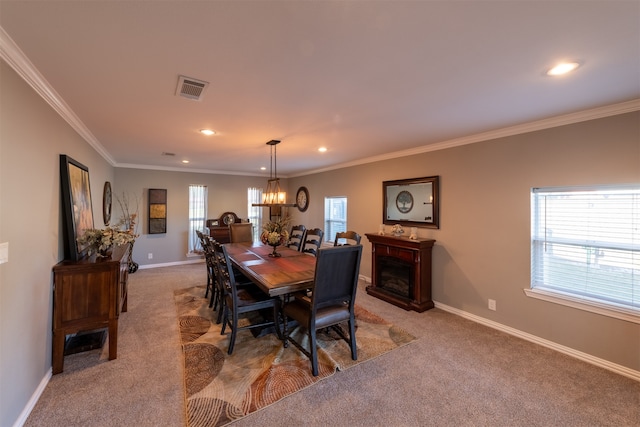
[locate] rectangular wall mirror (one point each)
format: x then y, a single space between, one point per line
411 202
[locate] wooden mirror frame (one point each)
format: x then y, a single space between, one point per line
412 202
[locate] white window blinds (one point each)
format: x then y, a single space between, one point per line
586 243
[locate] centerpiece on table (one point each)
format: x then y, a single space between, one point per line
102 240
275 233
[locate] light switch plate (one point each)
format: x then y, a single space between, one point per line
4 252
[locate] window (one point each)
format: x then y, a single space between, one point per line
335 217
585 248
254 195
197 215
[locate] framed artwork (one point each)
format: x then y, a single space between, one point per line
157 211
76 205
412 202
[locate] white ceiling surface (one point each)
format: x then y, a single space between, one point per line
362 78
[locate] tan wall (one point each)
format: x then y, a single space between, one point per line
32 136
225 193
482 248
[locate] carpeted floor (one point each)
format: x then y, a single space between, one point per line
222 388
456 373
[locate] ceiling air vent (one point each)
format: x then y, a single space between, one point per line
191 88
164 153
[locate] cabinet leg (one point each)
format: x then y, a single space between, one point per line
113 339
57 356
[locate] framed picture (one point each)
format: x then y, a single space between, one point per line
412 202
76 205
157 211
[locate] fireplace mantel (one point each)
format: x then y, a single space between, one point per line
414 257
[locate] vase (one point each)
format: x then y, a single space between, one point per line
105 253
133 266
275 254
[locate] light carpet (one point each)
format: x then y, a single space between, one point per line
220 388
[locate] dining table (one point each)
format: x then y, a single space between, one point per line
288 273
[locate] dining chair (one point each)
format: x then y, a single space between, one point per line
239 300
212 279
332 301
296 237
312 241
208 265
241 232
347 238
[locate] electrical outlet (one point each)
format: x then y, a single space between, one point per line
492 304
150 255
4 252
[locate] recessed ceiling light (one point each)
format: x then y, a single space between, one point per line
322 149
185 161
207 132
563 68
263 168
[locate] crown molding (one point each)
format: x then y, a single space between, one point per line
13 55
566 119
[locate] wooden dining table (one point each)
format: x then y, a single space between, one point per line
277 276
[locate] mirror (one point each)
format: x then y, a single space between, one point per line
411 202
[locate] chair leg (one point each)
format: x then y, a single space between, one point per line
314 351
234 329
223 317
352 339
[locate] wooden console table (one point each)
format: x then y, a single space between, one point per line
88 294
401 271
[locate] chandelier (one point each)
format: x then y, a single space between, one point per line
274 196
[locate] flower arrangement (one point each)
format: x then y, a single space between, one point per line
275 233
101 241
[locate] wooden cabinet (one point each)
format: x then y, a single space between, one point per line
401 271
219 228
88 294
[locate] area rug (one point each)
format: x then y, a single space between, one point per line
220 388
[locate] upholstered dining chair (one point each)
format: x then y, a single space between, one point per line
347 238
296 237
240 300
241 232
332 301
312 241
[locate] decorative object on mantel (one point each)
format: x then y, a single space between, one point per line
275 233
414 233
381 230
397 230
274 197
102 241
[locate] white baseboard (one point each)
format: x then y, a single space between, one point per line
33 400
170 264
618 369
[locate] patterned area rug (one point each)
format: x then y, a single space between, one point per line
222 388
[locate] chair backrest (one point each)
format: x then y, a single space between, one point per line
313 240
241 232
296 237
347 238
223 270
336 276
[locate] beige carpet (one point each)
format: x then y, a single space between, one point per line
220 388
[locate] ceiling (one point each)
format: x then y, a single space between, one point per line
365 79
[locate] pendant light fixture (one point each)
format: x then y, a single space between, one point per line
274 196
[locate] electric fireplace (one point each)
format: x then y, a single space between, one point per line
401 271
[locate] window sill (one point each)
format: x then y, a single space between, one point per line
609 310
